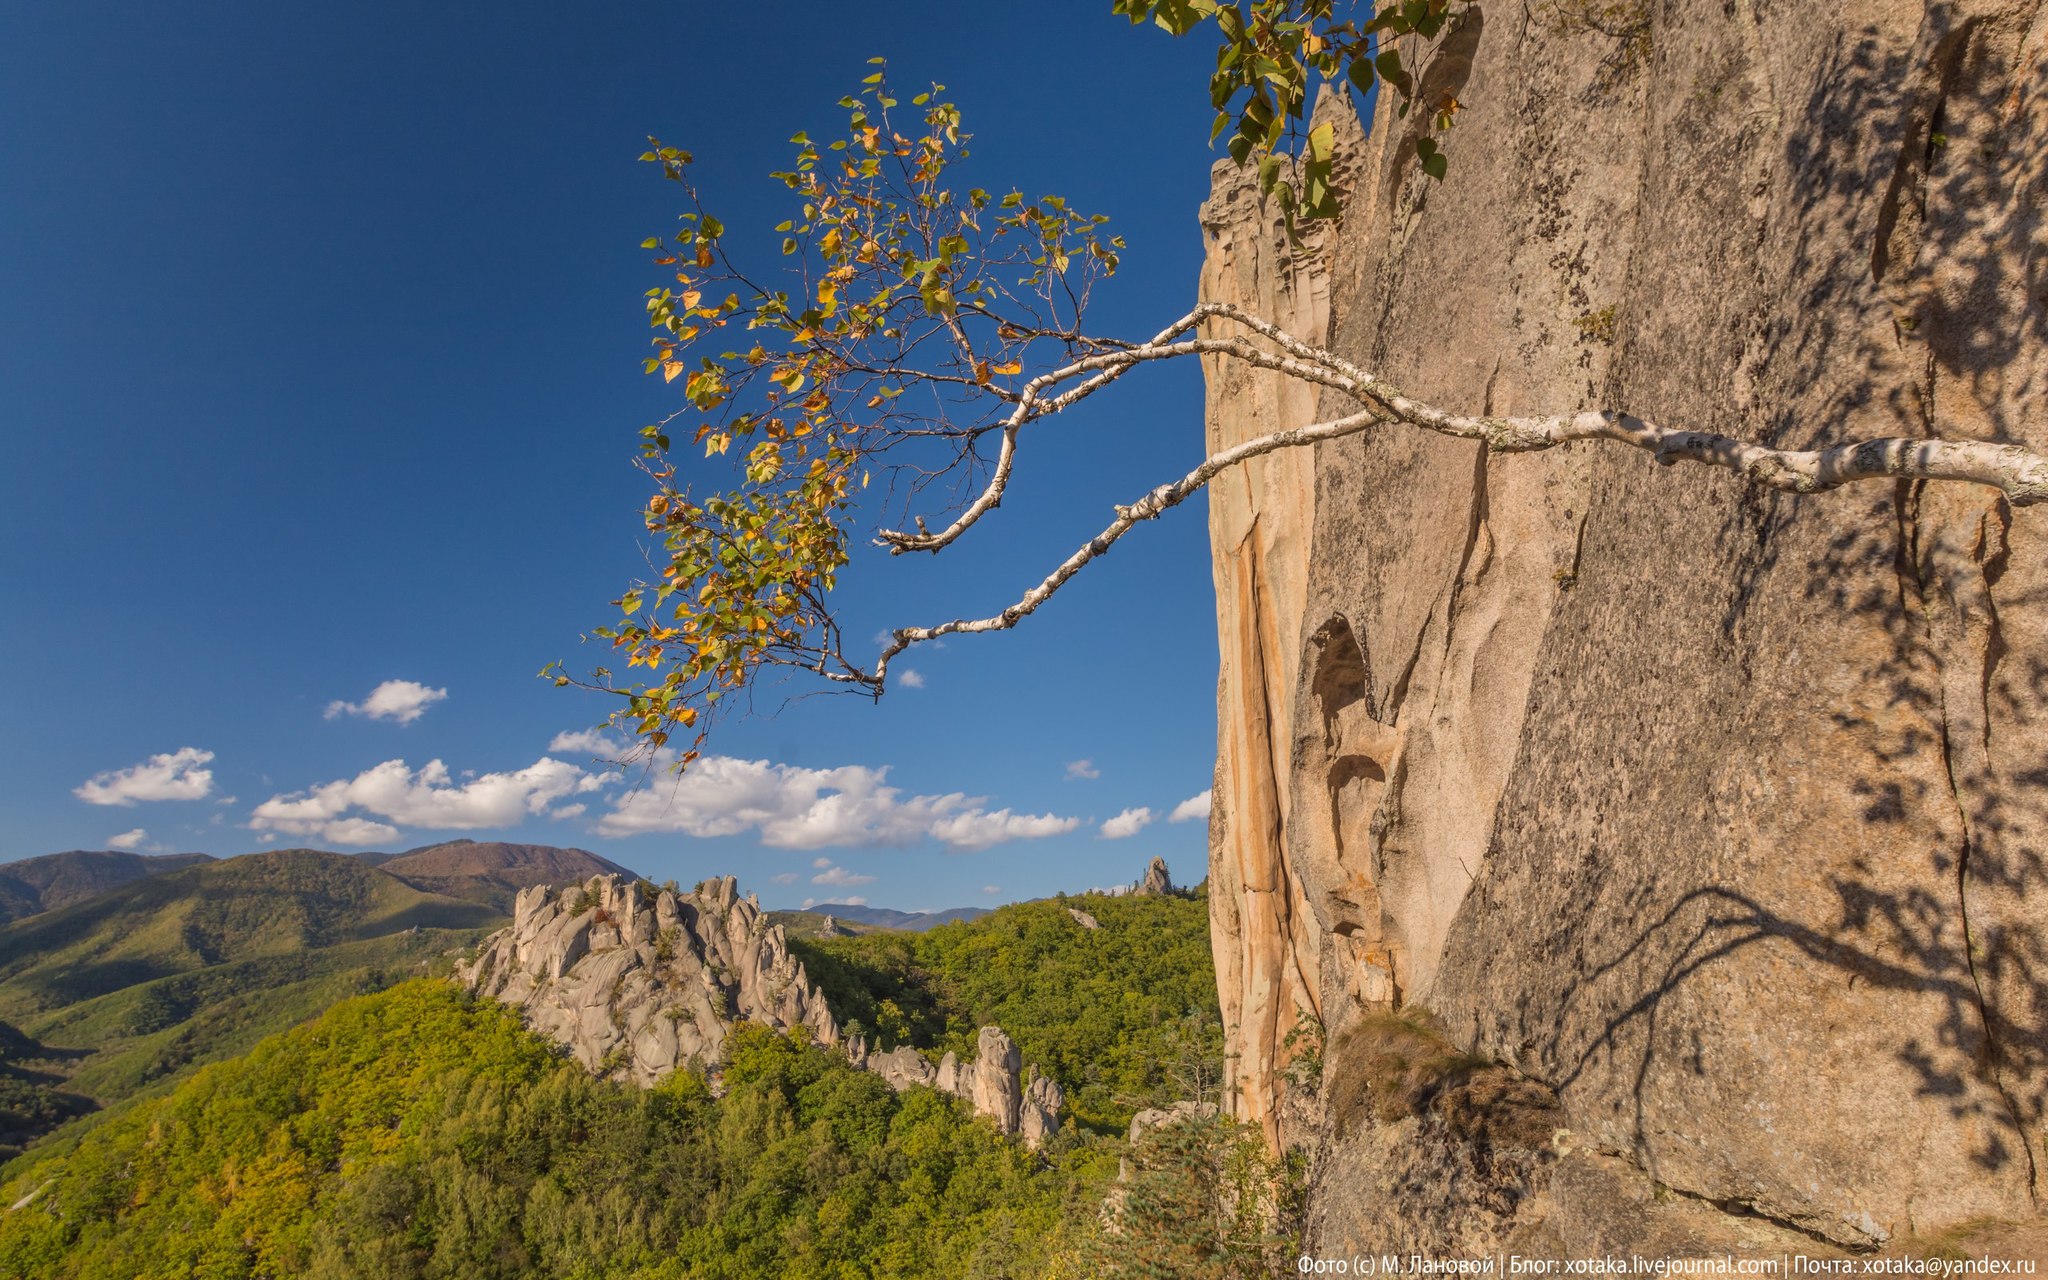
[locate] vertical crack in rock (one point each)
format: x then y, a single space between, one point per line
1991 1059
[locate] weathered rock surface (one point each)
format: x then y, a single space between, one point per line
1155 883
992 1083
1717 810
1083 919
637 983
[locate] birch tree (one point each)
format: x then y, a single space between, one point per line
906 348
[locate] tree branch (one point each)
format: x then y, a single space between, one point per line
2020 474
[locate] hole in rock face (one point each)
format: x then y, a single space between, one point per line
1345 780
1341 677
1349 769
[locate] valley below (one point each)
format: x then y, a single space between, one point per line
306 1063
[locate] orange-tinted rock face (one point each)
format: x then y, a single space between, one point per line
1719 812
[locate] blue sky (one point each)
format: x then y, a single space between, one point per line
320 342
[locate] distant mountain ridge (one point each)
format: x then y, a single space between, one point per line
493 871
885 918
34 885
192 959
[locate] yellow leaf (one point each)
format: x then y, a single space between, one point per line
669 370
1011 368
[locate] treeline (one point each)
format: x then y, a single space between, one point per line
420 1133
1123 1014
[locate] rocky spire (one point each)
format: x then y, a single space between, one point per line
637 982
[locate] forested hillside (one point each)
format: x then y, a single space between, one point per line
1115 996
55 880
123 993
418 1131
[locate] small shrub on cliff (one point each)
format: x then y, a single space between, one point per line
1388 1067
1199 1198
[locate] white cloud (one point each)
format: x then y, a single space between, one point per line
796 808
910 679
176 776
128 840
1127 824
1192 809
1081 769
427 798
591 742
978 830
786 877
358 831
850 900
569 811
821 862
991 888
841 877
402 700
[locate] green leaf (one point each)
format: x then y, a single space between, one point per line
1360 71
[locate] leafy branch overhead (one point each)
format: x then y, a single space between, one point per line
894 337
914 334
1270 57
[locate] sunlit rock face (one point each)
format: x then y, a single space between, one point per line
1717 812
638 981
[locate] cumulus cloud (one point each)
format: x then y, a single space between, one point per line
430 797
358 832
128 841
841 877
402 700
910 679
569 811
1194 808
796 808
978 830
991 888
590 742
176 776
1127 824
1082 769
855 901
786 877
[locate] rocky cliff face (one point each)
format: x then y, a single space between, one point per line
1714 814
637 983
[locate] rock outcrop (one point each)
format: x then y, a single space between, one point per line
1155 883
637 982
993 1083
1714 810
